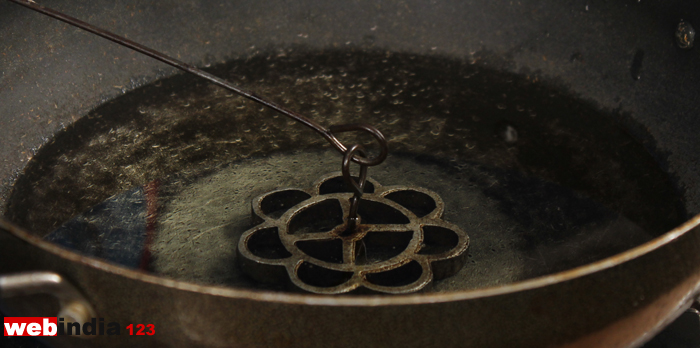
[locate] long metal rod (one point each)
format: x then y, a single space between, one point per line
327 133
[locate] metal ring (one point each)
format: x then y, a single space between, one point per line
383 147
357 187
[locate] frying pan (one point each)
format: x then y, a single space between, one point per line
617 57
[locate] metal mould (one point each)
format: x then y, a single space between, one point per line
400 245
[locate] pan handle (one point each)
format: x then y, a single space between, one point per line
74 307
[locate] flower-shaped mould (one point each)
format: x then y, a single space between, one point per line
400 246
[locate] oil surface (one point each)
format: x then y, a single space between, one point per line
541 181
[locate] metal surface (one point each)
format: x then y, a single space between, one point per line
617 302
401 245
682 333
627 311
74 307
357 187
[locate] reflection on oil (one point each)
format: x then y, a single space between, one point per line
114 230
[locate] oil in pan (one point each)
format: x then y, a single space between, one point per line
492 178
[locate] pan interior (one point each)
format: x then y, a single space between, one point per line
162 178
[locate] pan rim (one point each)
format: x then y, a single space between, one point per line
360 300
